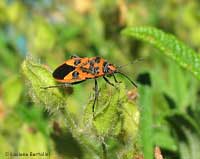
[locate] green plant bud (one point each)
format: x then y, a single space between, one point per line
38 76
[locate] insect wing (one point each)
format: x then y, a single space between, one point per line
77 62
76 76
61 71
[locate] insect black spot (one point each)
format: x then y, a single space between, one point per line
96 70
97 59
91 68
75 74
62 71
91 62
77 61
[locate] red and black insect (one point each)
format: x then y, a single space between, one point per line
77 70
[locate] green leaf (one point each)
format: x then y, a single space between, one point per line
164 139
169 45
111 108
39 76
115 118
107 112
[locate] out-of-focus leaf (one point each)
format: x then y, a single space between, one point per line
193 143
12 90
12 12
31 141
42 37
67 33
66 145
184 151
187 132
4 146
34 117
165 140
11 123
190 147
8 59
179 90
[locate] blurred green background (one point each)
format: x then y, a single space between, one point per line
51 31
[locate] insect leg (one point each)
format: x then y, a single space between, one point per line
116 81
133 83
55 86
108 81
96 93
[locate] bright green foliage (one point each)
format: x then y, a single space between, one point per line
185 57
114 113
169 45
60 120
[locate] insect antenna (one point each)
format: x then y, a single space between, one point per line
135 61
133 83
